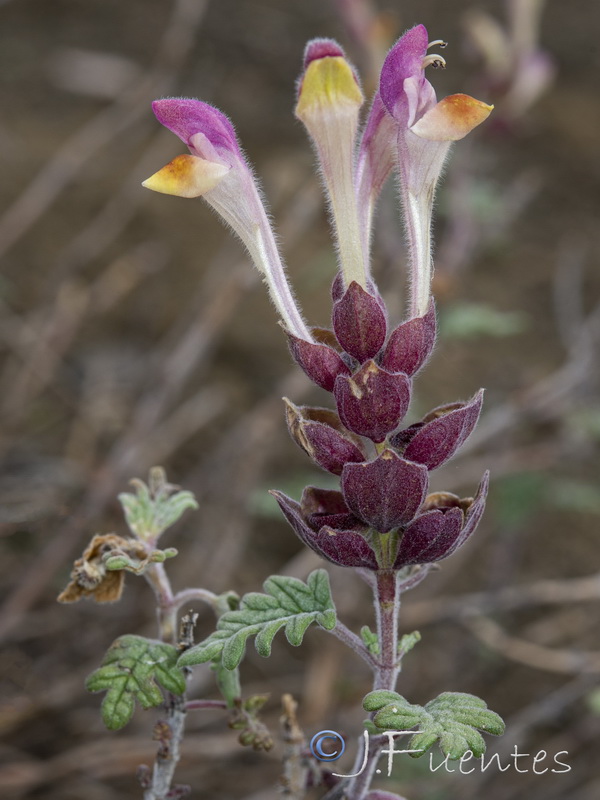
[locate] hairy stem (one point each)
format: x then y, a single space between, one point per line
190 595
387 607
166 608
199 705
345 635
169 731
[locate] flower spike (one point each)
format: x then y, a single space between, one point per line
329 100
217 171
425 130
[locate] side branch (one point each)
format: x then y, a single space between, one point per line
344 634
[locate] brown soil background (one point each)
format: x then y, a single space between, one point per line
134 332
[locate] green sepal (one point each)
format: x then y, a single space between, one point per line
453 718
288 603
129 672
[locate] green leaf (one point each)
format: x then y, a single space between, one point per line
381 698
129 671
394 712
228 681
288 603
407 642
137 565
370 640
155 506
453 718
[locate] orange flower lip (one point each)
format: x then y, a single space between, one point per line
452 118
187 176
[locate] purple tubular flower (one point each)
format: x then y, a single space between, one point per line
217 171
329 101
424 131
187 118
382 519
376 160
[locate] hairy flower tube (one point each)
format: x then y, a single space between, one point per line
217 171
383 517
425 130
329 101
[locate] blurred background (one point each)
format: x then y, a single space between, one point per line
134 332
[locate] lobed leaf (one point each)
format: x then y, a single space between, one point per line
155 506
454 719
129 672
287 603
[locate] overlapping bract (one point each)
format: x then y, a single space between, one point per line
383 467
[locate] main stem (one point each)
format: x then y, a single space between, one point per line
387 607
169 750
